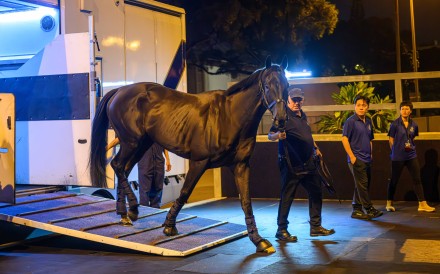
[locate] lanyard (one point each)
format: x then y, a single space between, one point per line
406 128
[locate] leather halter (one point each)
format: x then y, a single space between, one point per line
264 98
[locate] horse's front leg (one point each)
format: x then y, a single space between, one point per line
241 172
196 170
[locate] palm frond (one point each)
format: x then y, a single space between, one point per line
381 119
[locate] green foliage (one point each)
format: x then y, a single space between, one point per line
237 35
347 93
381 119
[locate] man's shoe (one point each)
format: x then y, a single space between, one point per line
374 213
320 231
389 207
423 206
284 235
359 214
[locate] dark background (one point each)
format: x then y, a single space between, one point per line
265 177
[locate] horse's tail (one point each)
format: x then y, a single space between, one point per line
98 160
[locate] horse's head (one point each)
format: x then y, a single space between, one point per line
273 85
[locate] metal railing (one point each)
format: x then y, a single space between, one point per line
397 78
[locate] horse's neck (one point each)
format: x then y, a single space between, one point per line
248 108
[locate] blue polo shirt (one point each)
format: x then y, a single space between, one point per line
300 145
359 136
401 135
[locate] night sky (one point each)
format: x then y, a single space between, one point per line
426 14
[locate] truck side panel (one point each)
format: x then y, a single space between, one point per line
53 121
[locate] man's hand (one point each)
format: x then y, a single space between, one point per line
273 136
352 160
282 135
318 152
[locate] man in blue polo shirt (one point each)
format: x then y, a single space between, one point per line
296 151
357 136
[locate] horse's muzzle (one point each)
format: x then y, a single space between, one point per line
279 124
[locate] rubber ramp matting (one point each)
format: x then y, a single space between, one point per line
94 218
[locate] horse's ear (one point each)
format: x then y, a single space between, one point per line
268 62
284 62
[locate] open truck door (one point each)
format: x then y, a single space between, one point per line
7 148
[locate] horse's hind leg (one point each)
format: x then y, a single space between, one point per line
124 190
121 208
195 171
241 173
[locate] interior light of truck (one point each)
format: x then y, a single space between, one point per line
112 40
29 15
133 45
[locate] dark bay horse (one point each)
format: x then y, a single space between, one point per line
211 129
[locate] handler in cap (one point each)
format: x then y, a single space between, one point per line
296 152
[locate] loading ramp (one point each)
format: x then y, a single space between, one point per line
94 218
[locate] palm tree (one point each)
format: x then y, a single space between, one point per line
334 123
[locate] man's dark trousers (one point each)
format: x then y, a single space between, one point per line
289 183
361 172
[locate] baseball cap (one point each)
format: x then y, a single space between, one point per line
296 92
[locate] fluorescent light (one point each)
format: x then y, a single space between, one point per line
16 57
28 15
304 73
116 84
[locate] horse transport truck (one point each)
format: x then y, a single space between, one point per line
57 59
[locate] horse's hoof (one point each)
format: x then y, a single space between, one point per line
265 246
133 213
125 221
170 230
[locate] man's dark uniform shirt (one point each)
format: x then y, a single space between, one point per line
299 140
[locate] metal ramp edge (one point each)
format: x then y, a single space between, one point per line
93 218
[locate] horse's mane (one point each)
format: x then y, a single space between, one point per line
245 83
